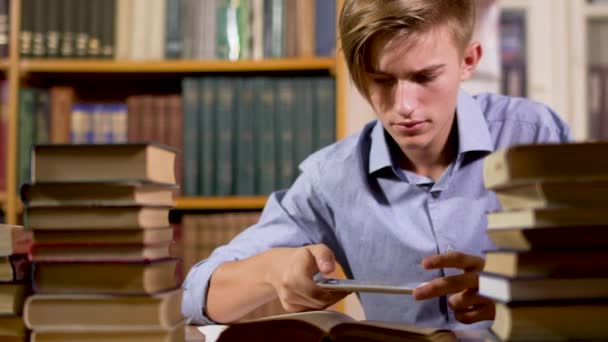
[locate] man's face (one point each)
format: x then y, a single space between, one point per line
413 85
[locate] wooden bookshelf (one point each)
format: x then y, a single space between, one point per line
176 66
4 64
232 202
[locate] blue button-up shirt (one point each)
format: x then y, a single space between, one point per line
380 220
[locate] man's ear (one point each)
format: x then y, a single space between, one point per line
472 55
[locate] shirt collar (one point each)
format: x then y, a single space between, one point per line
473 134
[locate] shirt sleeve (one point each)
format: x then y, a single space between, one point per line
292 218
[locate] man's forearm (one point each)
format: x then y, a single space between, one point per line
238 287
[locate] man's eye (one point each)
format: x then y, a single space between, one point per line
382 80
424 78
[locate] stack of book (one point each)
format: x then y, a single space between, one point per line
14 281
100 258
549 275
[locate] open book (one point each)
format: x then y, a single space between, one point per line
325 326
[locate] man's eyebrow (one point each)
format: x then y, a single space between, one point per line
429 69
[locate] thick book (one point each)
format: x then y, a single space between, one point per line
104 277
97 217
121 236
103 162
548 217
14 240
523 164
66 252
548 263
518 289
571 237
545 194
551 321
329 326
76 334
12 296
97 193
60 312
12 328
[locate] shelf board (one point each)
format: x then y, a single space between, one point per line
4 64
235 202
174 66
596 11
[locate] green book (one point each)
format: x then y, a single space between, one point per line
225 124
285 114
265 140
191 178
207 141
244 148
27 130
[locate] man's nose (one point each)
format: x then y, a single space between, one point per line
405 98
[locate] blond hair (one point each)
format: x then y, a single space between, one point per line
362 21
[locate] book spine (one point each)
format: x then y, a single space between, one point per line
4 28
27 128
225 124
39 28
95 26
208 136
245 146
324 97
107 28
62 99
123 31
190 89
83 14
287 111
69 28
173 42
53 29
325 28
265 137
42 117
27 28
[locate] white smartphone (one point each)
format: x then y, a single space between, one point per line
353 285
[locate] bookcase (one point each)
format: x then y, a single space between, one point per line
566 49
21 71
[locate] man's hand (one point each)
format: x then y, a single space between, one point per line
468 305
292 278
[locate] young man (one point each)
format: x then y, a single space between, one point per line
403 201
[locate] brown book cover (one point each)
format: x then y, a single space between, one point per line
118 236
548 263
62 99
57 312
103 162
551 321
524 164
176 333
107 252
104 277
556 238
547 194
12 296
134 119
97 194
97 217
